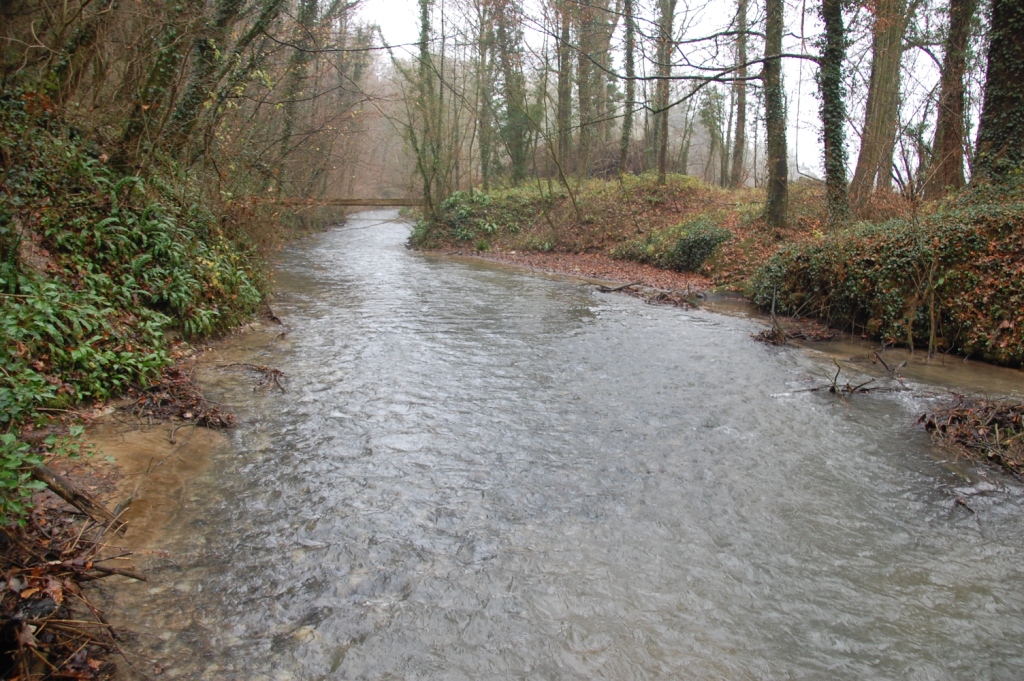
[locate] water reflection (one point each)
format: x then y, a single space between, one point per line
479 473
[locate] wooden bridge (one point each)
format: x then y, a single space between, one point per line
297 202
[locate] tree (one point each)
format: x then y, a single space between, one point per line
947 165
777 204
516 126
209 49
627 117
1000 148
666 20
833 110
739 145
563 115
711 116
881 117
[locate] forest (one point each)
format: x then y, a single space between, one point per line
154 154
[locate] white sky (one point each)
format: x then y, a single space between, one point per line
398 19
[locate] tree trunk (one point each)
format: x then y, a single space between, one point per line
485 74
1000 148
833 111
208 54
777 200
947 171
739 144
666 19
726 140
516 131
75 56
882 112
563 115
156 95
627 118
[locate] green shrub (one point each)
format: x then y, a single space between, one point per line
16 483
953 277
683 248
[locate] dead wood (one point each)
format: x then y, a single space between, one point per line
610 289
177 395
990 431
80 499
269 376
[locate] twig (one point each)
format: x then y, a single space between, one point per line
609 289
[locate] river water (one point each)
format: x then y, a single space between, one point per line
479 473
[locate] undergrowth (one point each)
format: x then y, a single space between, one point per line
588 216
682 248
947 281
98 268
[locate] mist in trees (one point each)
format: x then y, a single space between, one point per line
256 97
304 98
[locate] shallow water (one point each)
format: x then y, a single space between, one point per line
480 473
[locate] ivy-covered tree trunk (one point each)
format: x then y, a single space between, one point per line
739 143
777 200
210 49
75 55
881 115
295 76
627 118
233 73
516 128
1000 147
593 35
485 94
156 95
833 111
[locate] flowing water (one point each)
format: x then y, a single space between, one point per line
480 473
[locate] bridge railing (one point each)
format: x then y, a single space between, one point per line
295 202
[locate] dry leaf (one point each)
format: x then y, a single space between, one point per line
26 636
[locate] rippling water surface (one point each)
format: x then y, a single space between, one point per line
485 474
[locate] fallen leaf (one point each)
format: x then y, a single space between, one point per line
26 636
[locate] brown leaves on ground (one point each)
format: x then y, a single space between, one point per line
49 629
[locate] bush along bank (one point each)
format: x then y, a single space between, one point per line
592 217
98 268
949 281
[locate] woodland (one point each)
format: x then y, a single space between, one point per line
152 155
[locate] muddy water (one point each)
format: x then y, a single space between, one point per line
482 474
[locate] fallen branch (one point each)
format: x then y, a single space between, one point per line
609 289
81 500
893 370
268 375
108 571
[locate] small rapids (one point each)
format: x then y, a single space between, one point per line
479 473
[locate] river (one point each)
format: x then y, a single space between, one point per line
480 473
